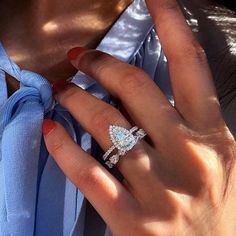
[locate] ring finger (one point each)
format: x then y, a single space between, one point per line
138 167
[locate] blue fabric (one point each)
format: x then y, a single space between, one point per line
35 196
20 126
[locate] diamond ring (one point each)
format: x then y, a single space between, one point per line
123 140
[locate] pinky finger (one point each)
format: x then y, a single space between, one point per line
104 191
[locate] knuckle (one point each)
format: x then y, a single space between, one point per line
210 169
133 80
101 63
139 229
56 145
197 53
191 53
91 58
88 179
210 178
206 165
104 117
169 6
68 94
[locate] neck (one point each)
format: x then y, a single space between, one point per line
40 32
80 15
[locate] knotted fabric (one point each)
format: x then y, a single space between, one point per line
21 118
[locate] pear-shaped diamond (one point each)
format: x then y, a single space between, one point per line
122 138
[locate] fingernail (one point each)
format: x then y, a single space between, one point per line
75 52
48 126
58 85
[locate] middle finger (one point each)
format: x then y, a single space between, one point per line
143 100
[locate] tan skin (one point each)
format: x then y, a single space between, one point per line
181 181
35 26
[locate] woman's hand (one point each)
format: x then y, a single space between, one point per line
181 179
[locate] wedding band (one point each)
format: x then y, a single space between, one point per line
123 140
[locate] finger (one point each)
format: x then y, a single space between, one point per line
137 166
95 116
191 79
106 194
142 99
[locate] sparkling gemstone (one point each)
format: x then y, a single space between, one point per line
122 138
114 159
109 164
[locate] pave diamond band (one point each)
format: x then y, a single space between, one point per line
123 140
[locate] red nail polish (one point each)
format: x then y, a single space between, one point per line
58 85
75 52
48 126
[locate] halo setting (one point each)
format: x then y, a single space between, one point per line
123 140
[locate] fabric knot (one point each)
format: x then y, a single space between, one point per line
34 80
38 86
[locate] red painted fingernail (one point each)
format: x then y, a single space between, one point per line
58 85
48 126
75 52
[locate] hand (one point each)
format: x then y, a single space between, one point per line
181 180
